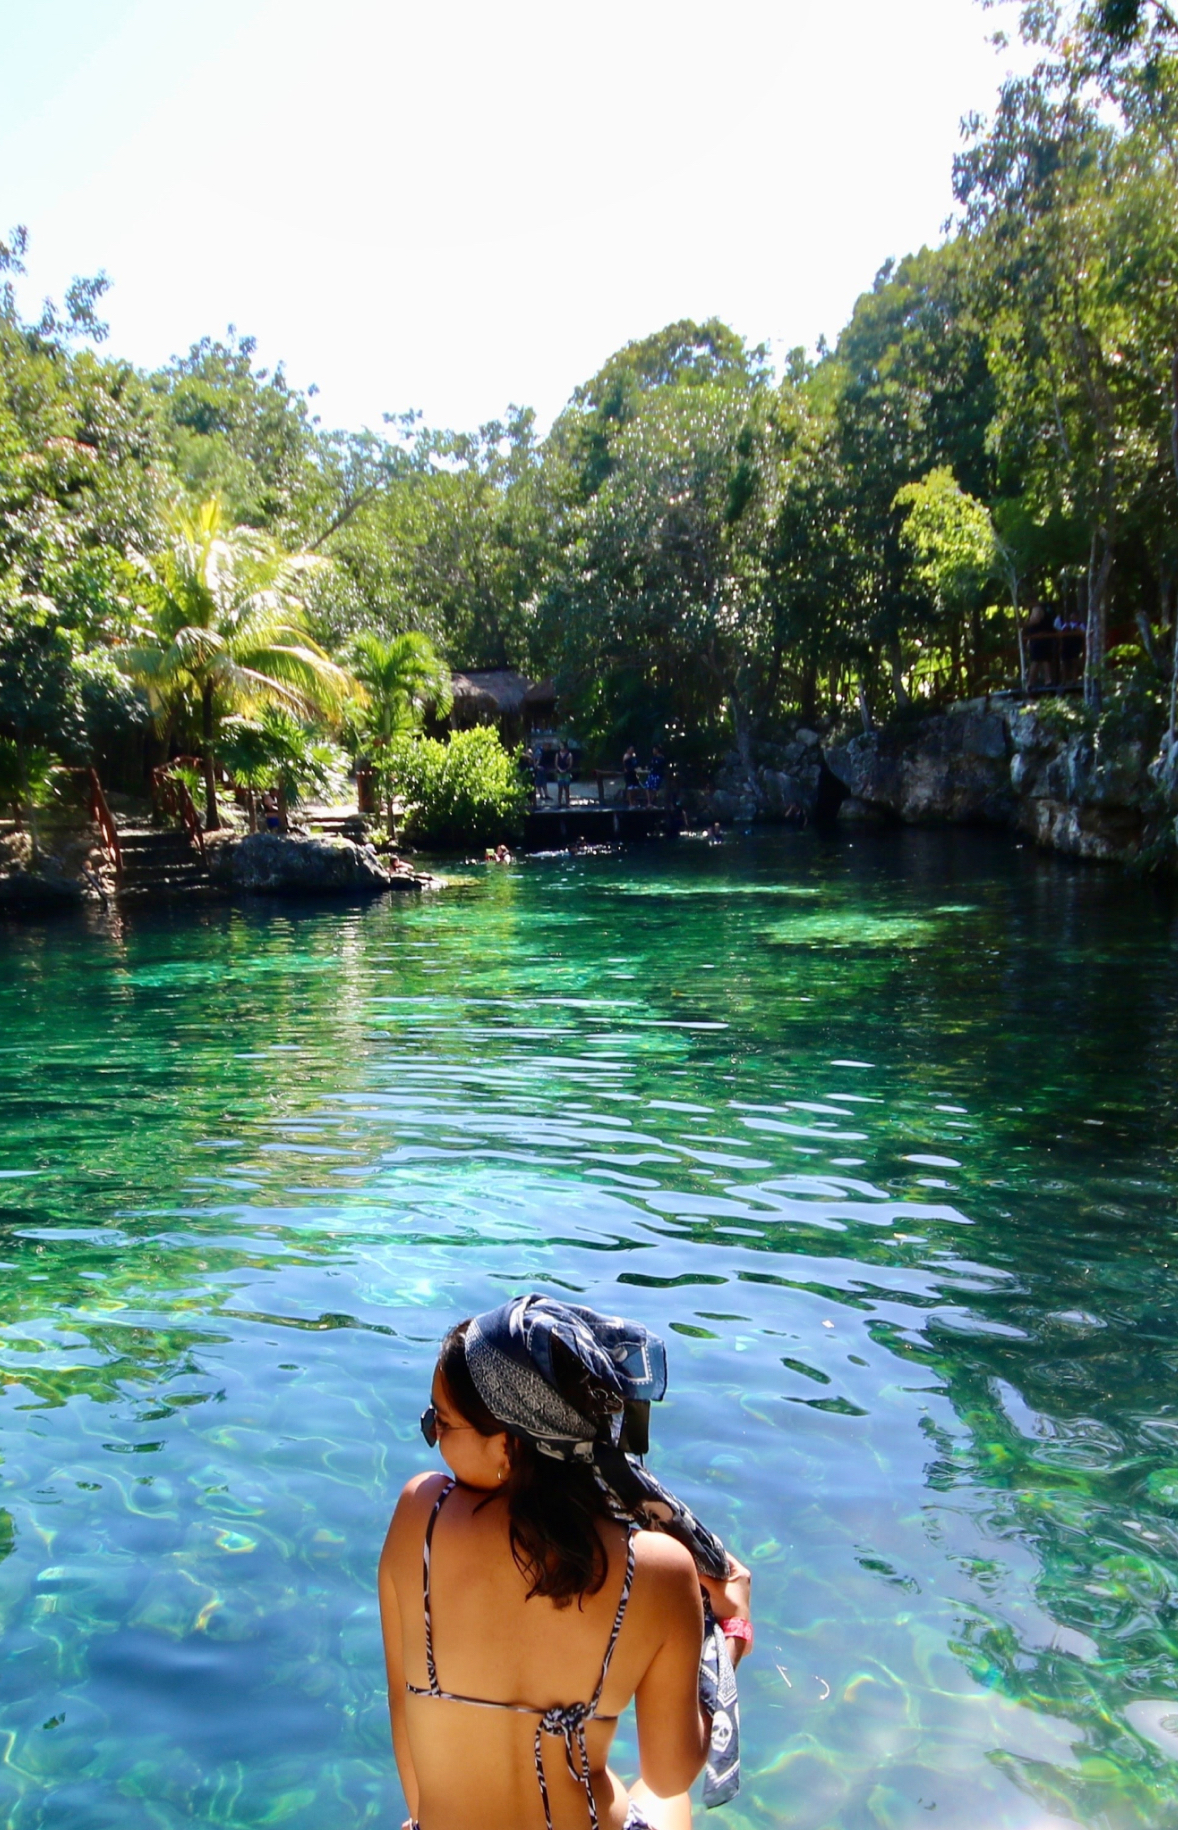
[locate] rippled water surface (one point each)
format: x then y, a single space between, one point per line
880 1134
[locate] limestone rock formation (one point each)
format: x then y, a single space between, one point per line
67 870
952 767
292 864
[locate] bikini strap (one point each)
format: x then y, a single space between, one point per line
431 1668
623 1599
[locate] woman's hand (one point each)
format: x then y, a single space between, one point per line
730 1601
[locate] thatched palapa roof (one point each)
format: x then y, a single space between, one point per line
497 692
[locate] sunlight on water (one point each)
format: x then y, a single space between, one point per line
879 1134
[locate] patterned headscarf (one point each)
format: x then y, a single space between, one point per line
509 1353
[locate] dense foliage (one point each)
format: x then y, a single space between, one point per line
467 791
698 550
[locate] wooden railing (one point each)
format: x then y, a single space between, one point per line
102 817
170 794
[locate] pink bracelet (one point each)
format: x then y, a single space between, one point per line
737 1629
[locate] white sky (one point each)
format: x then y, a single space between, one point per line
456 206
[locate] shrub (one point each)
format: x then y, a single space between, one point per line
467 792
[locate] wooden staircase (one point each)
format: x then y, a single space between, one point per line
159 862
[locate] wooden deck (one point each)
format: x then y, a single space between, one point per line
552 828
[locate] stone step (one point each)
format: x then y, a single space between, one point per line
147 860
167 873
152 841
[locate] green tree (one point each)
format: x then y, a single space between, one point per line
234 430
909 388
41 711
466 791
950 538
661 594
1071 215
279 751
402 680
446 533
227 630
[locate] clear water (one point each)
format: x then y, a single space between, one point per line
881 1135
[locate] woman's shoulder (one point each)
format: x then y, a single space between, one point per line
418 1497
402 1545
664 1563
423 1490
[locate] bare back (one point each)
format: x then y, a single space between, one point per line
475 1766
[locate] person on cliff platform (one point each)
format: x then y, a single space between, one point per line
1042 648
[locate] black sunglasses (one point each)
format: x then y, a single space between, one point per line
431 1428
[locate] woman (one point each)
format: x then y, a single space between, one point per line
504 1695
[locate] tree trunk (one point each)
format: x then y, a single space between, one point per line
743 732
1174 455
1022 651
1147 642
896 664
212 817
25 795
1094 640
810 694
974 670
1174 412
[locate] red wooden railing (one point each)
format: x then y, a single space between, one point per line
102 817
170 794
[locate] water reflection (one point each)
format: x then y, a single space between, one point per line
881 1135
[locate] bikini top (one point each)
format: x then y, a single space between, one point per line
564 1720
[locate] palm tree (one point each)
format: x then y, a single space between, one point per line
275 751
228 632
402 679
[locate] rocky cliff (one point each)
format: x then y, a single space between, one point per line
1088 789
65 870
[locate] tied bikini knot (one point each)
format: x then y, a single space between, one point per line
568 1722
565 1719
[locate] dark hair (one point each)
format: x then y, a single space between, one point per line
554 1508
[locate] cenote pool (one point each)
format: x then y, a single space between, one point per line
881 1134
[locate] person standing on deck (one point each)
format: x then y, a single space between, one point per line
564 773
630 775
656 775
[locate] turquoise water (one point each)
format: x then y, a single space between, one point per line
880 1134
